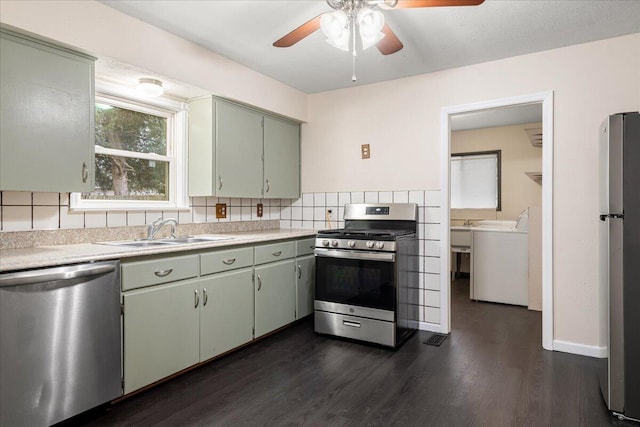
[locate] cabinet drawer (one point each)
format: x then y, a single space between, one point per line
275 252
139 274
305 247
215 262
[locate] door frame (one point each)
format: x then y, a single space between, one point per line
546 99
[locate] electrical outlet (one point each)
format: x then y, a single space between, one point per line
259 210
221 210
366 151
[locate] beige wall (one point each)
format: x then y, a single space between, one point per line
401 121
518 156
103 31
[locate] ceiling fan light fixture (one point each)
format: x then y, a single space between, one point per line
335 27
150 87
370 23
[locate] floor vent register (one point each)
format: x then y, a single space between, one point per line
436 339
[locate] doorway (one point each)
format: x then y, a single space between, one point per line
544 99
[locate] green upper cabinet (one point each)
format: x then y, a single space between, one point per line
46 116
238 151
234 150
281 158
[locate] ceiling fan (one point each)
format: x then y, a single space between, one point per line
340 25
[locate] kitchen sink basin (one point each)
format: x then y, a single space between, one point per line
167 242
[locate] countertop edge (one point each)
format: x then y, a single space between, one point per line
50 256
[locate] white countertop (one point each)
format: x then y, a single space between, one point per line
47 256
499 229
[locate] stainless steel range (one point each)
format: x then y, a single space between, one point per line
367 274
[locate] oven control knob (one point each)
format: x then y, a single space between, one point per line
334 243
325 242
369 244
351 243
379 245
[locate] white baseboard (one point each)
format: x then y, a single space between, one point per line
580 349
431 327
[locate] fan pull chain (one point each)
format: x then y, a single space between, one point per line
353 57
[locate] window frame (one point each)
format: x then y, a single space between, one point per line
498 154
176 113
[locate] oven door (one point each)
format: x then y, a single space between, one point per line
356 278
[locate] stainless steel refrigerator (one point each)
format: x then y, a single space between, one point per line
620 262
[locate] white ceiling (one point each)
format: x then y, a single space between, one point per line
434 38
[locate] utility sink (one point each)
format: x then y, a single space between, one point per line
167 242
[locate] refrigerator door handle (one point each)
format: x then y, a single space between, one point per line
603 217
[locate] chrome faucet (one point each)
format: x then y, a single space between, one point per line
467 223
155 226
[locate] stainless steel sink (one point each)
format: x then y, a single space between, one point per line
167 242
195 239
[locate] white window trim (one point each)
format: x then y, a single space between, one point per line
123 96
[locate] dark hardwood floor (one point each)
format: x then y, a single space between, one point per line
491 371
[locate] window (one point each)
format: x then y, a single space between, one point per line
139 160
475 180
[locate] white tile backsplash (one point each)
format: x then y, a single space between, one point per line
385 197
16 218
46 199
72 219
343 199
400 197
16 198
116 219
95 219
46 217
371 197
357 197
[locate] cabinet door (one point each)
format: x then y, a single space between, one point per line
281 158
275 296
305 290
161 332
238 151
226 316
46 118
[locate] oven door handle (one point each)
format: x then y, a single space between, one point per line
358 255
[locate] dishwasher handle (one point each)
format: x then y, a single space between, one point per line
71 272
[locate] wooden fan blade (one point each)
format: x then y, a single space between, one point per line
406 4
390 42
299 33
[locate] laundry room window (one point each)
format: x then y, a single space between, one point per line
476 180
139 156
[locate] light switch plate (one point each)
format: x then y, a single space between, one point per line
221 210
366 152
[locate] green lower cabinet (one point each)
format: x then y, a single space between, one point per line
275 296
226 315
305 290
161 332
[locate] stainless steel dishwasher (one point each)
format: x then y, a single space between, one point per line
60 342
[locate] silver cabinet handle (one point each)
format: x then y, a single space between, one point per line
163 273
85 172
204 296
229 261
299 271
197 298
259 282
352 324
276 253
220 179
268 186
